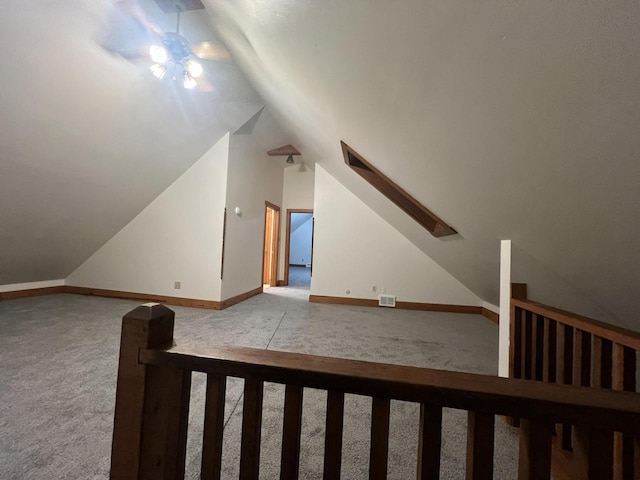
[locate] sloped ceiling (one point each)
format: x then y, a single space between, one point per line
510 119
87 139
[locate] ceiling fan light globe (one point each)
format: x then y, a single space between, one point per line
194 68
189 82
158 54
158 70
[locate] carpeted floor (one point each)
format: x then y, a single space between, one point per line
299 277
58 360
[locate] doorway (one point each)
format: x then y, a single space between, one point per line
271 239
298 260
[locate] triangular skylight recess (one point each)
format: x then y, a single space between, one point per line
421 214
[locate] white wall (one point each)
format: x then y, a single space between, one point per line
177 237
297 193
354 249
546 286
300 242
253 178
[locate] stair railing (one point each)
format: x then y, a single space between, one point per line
559 347
153 390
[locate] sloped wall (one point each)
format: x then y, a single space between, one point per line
177 237
354 249
253 178
300 243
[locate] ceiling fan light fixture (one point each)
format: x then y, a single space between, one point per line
158 54
158 70
189 82
290 160
194 68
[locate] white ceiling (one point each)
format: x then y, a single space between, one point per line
88 139
508 119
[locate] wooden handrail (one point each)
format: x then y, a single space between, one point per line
555 346
616 334
154 387
467 391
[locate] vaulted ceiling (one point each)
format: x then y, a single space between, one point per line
507 119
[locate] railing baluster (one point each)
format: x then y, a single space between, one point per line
592 454
582 359
429 442
480 428
606 361
251 429
379 438
581 375
527 345
560 342
596 365
213 427
516 343
535 450
333 435
290 459
516 351
624 378
537 363
546 350
567 379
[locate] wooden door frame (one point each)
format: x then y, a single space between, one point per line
287 240
274 265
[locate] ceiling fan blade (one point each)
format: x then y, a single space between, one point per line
128 32
135 54
209 51
203 84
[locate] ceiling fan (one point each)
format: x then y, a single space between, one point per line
135 37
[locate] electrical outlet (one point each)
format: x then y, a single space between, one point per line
374 289
384 289
177 285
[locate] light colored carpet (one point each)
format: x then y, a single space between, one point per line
299 277
58 360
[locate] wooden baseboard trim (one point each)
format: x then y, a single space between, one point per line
145 297
427 307
491 315
32 292
168 300
358 302
281 283
215 305
240 298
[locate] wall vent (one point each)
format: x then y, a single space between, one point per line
386 300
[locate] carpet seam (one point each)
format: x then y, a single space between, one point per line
235 407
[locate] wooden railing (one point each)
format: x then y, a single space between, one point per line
555 346
152 404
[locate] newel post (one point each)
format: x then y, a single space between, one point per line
150 422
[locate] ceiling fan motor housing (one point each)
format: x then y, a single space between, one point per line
177 46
